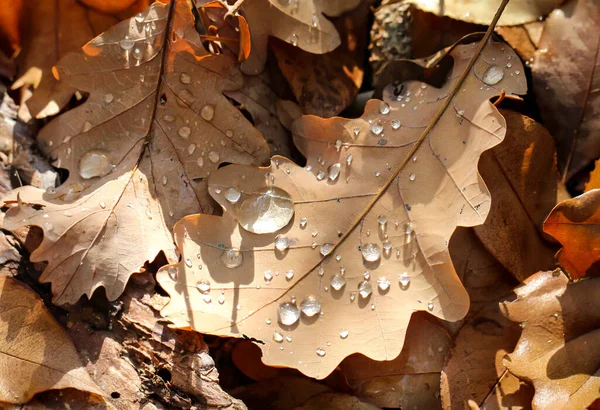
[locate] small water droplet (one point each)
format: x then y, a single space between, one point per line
349 160
207 112
191 148
232 258
289 274
344 334
288 313
164 180
185 78
200 162
310 305
233 195
517 72
404 279
430 306
382 220
137 54
334 171
184 132
102 204
356 131
396 124
203 286
320 175
282 243
508 65
94 164
277 337
370 252
221 299
172 271
213 156
303 223
364 289
268 276
384 108
383 283
376 128
188 262
293 40
352 296
315 20
126 43
320 352
493 75
108 98
337 281
169 118
326 249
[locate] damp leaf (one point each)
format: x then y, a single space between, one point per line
36 354
156 123
561 326
319 262
301 23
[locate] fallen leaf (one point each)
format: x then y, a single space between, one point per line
300 23
109 6
138 151
335 401
51 30
575 223
474 370
594 181
565 80
325 84
37 355
410 381
331 238
524 39
521 175
10 21
480 12
556 351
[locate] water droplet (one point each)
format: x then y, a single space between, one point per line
356 131
517 72
349 160
315 20
320 176
338 145
232 258
493 75
364 289
366 275
94 164
370 252
213 156
334 171
221 299
108 98
184 132
102 204
126 43
265 212
200 162
303 223
320 352
326 249
277 337
412 177
233 194
282 243
139 17
293 40
188 262
191 148
169 118
508 65
408 229
396 124
404 279
185 78
377 128
372 306
382 220
288 313
207 112
164 180
289 339
337 281
383 283
172 271
384 108
137 54
289 274
430 306
268 276
203 286
352 296
310 305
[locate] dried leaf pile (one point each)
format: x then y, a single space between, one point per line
240 213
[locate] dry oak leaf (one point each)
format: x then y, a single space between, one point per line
301 23
51 30
566 82
557 350
481 12
575 223
138 151
331 259
35 352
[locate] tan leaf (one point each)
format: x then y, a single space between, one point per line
51 30
366 208
335 401
138 151
594 181
557 349
410 381
300 23
36 353
325 84
481 12
521 175
575 223
565 77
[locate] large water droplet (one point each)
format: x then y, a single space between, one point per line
232 258
370 252
493 75
207 112
310 305
288 313
364 289
94 164
265 212
282 243
233 194
337 281
126 43
213 157
334 171
184 132
383 283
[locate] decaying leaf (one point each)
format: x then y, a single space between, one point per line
521 175
35 352
566 79
300 23
325 84
410 381
336 256
557 350
482 12
138 151
575 223
51 30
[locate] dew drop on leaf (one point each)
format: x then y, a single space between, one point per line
334 171
191 148
213 156
207 112
303 223
364 289
184 132
376 128
383 283
137 54
344 334
288 313
293 40
203 286
310 305
337 281
108 98
94 164
232 258
268 276
282 243
384 108
395 124
185 78
321 176
370 252
277 337
404 279
188 262
493 75
233 195
430 306
320 352
126 43
265 212
289 274
326 249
